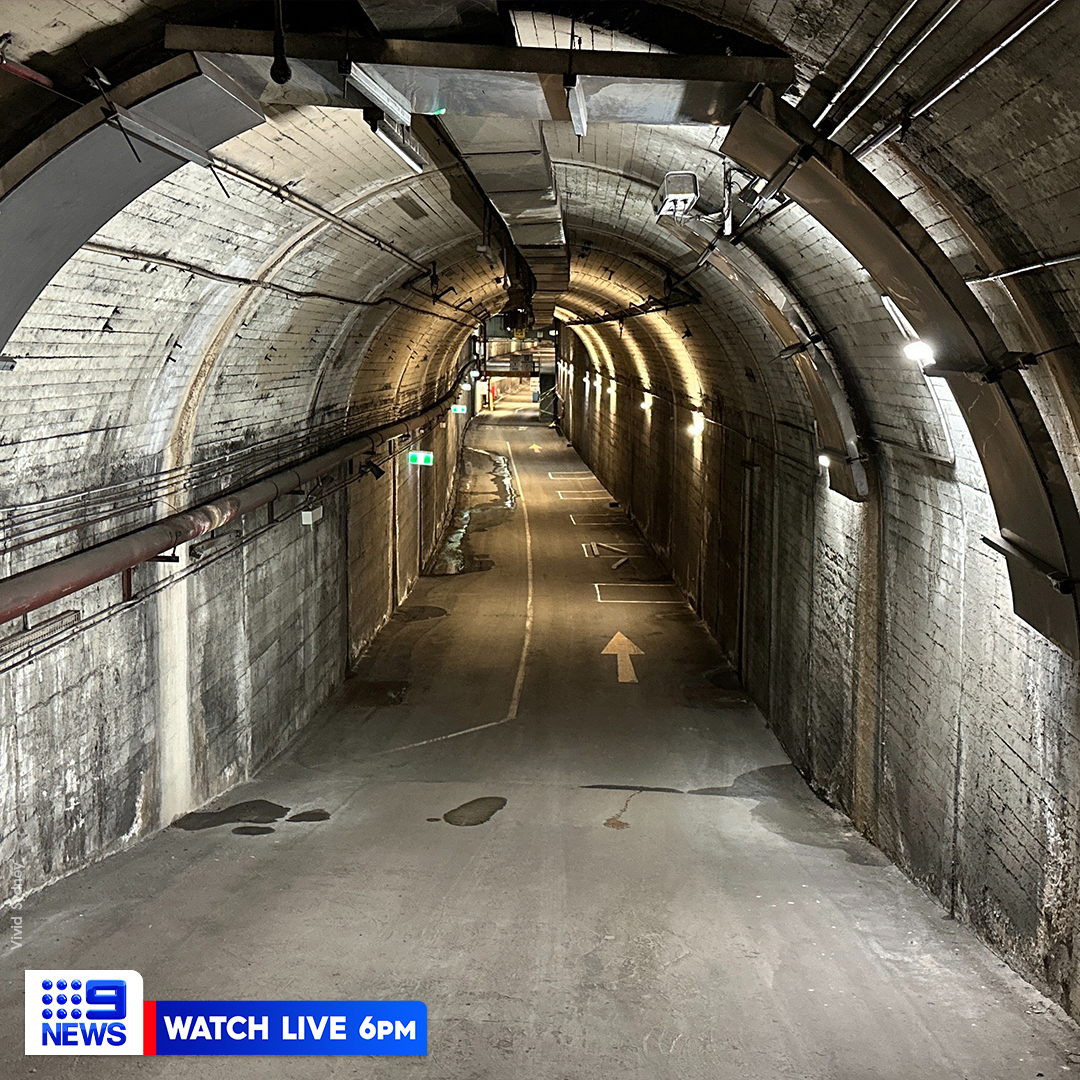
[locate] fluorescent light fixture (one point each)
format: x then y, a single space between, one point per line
381 93
397 143
920 352
474 374
697 426
575 102
824 460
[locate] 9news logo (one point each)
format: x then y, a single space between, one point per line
83 1012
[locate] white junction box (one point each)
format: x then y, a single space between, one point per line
311 517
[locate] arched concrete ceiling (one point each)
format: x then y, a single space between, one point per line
199 339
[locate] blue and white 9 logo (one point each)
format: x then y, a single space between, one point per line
83 1012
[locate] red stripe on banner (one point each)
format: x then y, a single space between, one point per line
149 1030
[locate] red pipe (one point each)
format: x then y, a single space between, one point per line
23 72
42 585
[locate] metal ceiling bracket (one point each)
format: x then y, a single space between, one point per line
1030 490
834 416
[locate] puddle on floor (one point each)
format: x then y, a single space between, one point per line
258 811
485 498
253 817
475 811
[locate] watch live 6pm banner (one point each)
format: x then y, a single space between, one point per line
73 1011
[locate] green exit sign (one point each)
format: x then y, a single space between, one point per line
458 409
421 457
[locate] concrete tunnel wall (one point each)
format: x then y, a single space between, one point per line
152 706
878 638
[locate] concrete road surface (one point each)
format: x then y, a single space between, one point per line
658 897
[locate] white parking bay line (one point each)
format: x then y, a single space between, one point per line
628 549
600 520
637 592
601 494
582 475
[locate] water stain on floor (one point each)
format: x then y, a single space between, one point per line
252 830
311 815
785 806
373 693
616 821
477 508
419 613
475 811
258 811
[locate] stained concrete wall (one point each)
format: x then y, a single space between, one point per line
879 640
395 524
149 707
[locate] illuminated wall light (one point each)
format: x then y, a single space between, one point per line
824 460
646 402
611 389
697 425
920 352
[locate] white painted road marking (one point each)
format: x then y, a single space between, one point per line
583 494
621 647
637 592
519 682
600 519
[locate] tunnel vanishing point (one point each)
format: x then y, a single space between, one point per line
565 511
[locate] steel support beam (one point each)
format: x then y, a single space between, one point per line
83 171
771 70
835 419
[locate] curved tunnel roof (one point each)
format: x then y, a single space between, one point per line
204 336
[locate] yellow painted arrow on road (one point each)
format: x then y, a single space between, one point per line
623 648
535 449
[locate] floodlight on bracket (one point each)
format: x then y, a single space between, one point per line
677 194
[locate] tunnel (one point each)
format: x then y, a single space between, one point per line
540 539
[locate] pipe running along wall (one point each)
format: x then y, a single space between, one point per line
35 588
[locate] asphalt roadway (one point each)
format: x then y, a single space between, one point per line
659 896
